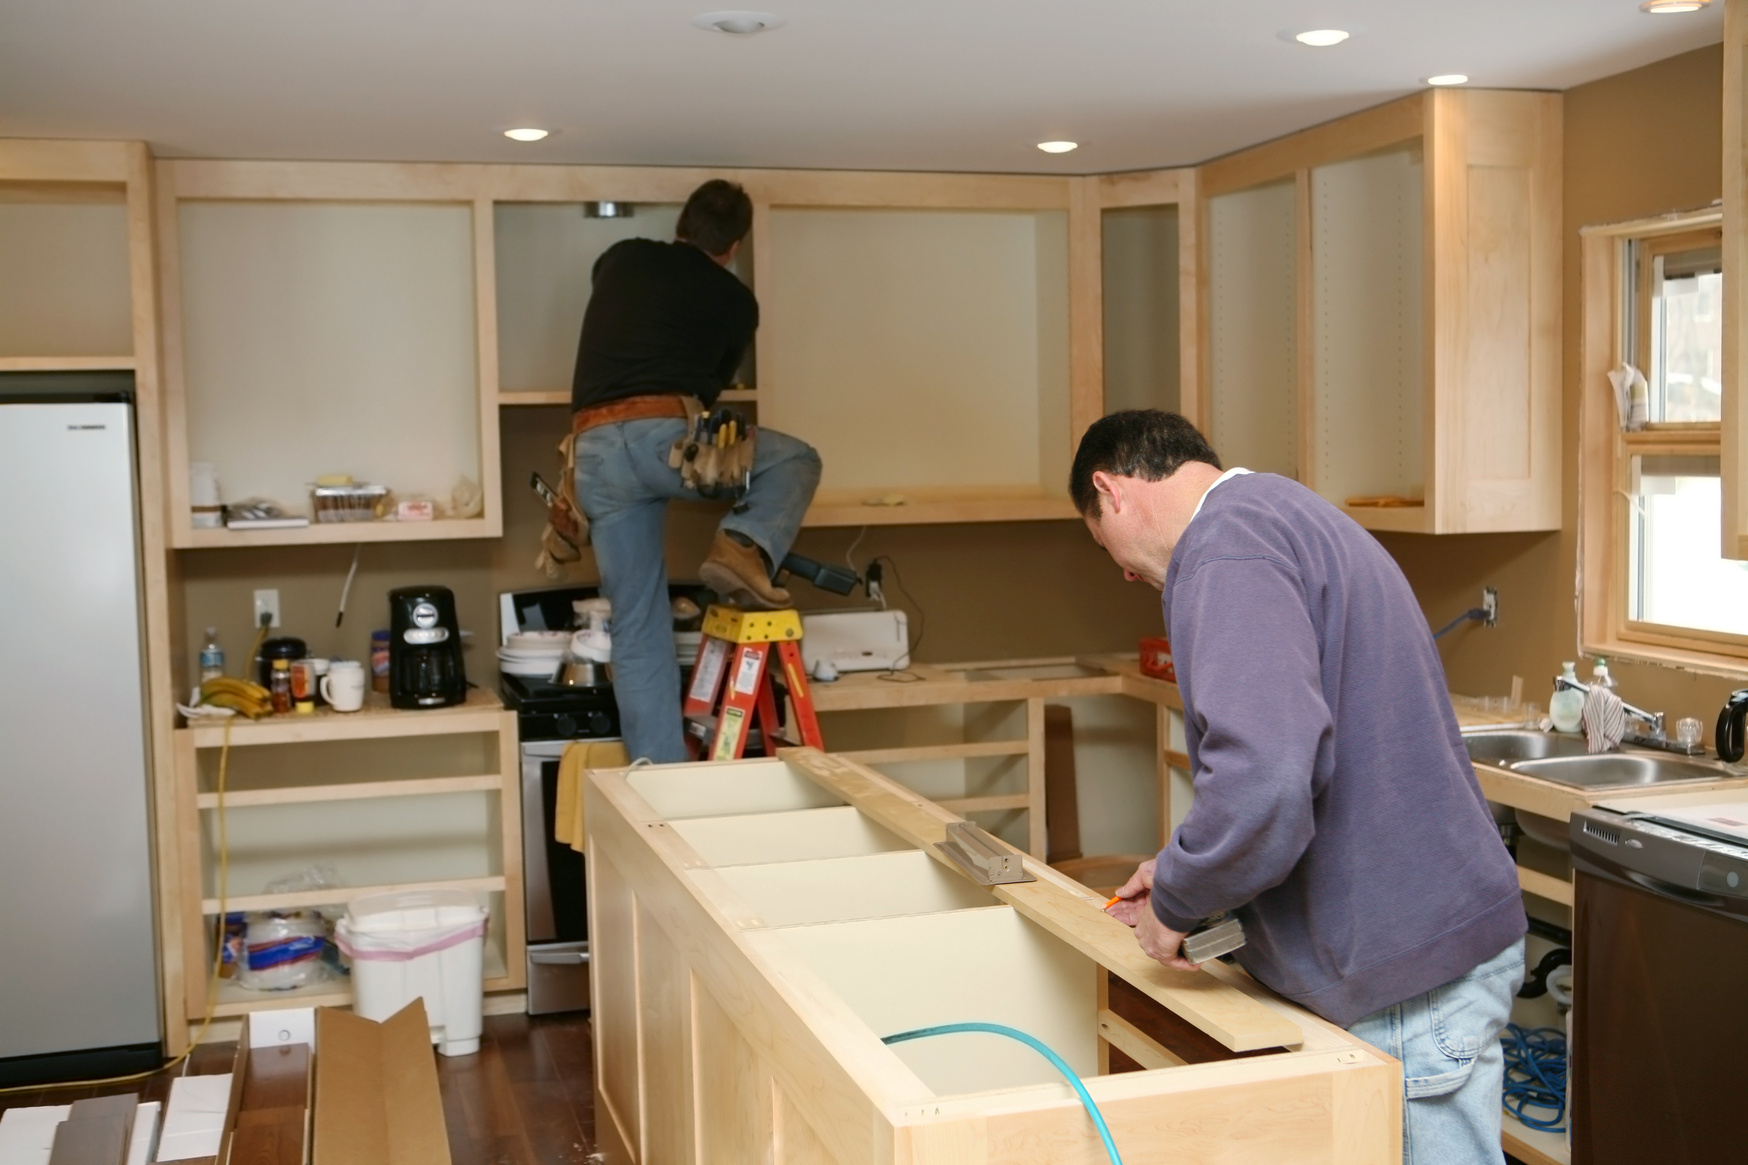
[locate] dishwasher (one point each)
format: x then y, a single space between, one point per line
1660 961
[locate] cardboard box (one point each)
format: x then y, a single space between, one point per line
330 1088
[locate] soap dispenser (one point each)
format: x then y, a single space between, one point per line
1566 709
1599 674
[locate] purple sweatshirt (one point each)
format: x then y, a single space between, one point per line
1335 807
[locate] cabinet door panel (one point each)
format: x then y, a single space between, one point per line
1368 378
1252 330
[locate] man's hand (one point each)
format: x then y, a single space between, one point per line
1158 941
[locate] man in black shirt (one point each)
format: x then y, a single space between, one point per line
667 324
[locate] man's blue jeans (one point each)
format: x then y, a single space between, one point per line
1452 1065
624 486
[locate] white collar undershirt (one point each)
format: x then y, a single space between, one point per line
1230 473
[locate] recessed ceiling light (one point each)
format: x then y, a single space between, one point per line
1058 147
528 134
737 22
1661 7
1321 38
1449 79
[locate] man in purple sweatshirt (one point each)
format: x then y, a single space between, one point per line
1335 808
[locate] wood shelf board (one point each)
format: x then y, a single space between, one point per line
334 895
930 507
234 1000
482 712
913 754
329 533
1545 886
66 363
1397 519
551 397
1532 1146
866 690
357 791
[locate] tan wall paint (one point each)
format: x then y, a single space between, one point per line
1636 144
986 591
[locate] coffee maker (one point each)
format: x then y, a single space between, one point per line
424 649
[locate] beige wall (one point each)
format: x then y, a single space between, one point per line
1636 144
987 591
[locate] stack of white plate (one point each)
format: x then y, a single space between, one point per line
533 654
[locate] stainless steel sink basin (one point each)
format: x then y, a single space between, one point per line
1612 769
1508 746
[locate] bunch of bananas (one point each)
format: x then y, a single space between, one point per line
242 696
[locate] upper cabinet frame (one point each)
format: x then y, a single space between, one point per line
1734 417
1489 287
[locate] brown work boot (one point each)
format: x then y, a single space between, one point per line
738 573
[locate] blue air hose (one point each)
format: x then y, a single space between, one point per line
1535 1075
1037 1045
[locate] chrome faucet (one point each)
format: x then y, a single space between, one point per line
1655 738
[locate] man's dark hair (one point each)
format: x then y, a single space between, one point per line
1144 443
716 217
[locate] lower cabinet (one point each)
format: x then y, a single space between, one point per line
760 926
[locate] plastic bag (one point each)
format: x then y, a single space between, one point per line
282 950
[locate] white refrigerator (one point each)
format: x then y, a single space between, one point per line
78 965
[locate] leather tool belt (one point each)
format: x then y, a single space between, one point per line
634 408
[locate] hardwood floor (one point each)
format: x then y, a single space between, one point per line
527 1097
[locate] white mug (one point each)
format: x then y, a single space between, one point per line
343 686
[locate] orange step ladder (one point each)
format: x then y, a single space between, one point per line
747 662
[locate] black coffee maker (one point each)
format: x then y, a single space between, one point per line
424 649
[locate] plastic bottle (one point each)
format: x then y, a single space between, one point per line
1566 709
212 657
1599 673
281 688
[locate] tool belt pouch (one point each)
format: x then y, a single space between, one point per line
715 457
567 527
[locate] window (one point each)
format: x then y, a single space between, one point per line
1653 581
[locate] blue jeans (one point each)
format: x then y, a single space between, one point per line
624 486
1452 1066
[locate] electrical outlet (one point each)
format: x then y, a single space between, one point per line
1490 604
267 603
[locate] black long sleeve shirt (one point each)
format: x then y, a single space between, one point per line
663 317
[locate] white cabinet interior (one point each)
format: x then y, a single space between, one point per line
1141 284
921 351
545 254
64 279
327 337
1367 327
1253 334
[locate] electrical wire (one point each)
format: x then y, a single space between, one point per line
895 675
224 870
1037 1045
848 560
1473 614
1535 1075
346 589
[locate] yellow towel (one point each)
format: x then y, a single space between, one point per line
578 758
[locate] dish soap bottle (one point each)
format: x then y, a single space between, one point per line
212 657
1599 673
1566 709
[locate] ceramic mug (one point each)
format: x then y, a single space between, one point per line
343 686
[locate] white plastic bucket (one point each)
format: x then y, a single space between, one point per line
418 943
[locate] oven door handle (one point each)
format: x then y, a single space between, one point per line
558 958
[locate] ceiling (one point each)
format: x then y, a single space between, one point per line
877 84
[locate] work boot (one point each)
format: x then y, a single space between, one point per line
738 573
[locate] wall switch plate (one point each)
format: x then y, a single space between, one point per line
267 603
1490 604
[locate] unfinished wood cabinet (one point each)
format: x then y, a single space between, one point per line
1382 305
759 926
388 800
1734 419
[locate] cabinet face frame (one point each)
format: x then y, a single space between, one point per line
1734 535
356 183
1465 135
690 978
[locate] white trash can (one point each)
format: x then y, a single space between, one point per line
418 943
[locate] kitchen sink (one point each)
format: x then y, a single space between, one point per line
1506 746
1612 769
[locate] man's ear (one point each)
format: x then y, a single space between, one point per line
1110 492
